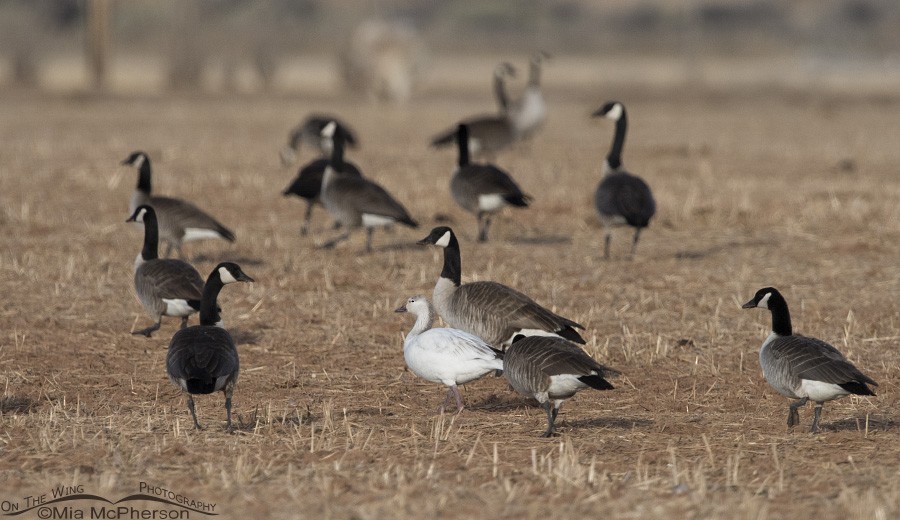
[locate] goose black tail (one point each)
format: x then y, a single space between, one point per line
521 200
201 386
595 381
855 387
572 335
226 233
407 220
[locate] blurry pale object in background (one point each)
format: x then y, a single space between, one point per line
383 60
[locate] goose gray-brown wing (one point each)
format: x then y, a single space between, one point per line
815 360
170 279
510 309
203 353
178 215
367 197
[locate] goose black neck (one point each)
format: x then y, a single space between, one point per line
615 151
209 308
337 151
143 183
781 317
462 142
500 91
452 262
151 237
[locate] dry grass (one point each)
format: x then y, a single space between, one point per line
753 189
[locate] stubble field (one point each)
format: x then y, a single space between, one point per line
798 191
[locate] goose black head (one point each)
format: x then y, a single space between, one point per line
136 159
439 236
141 213
611 110
230 272
761 298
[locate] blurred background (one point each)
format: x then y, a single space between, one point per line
394 50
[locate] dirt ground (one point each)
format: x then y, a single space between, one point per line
755 188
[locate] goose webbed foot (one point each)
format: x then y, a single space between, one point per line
332 243
816 413
793 414
459 400
551 418
193 413
149 330
228 427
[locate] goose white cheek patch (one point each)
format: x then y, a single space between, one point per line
764 302
615 113
226 276
444 241
139 161
328 130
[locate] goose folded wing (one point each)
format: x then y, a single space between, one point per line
816 360
517 308
367 197
209 353
170 279
634 201
488 179
183 215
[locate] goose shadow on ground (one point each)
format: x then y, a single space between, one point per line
696 254
620 423
496 403
542 240
876 424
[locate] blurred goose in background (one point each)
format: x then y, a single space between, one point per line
552 369
308 185
203 359
179 220
490 310
803 368
165 287
488 134
448 356
621 198
530 111
354 201
482 189
309 132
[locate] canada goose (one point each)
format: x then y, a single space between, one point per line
482 189
355 201
552 369
530 111
449 356
203 359
491 311
179 220
165 287
803 368
308 185
488 134
621 198
310 133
